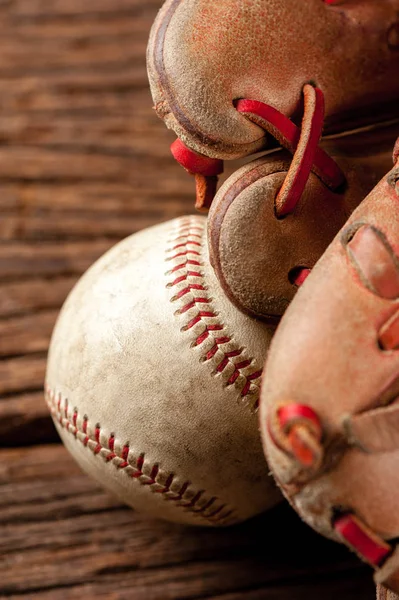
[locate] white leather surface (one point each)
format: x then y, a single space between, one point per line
129 355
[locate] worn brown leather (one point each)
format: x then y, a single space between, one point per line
384 594
335 355
202 56
254 253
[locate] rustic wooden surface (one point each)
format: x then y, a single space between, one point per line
84 162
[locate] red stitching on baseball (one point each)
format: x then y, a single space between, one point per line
192 304
211 353
243 365
224 358
222 340
188 229
194 501
59 410
183 265
188 251
180 493
184 277
97 432
124 455
168 483
153 475
140 462
183 245
206 506
201 338
198 318
212 515
222 365
187 290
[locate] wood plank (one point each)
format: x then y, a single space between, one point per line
44 164
137 133
69 227
25 421
84 94
62 537
95 25
24 297
66 53
79 95
29 260
21 374
26 335
56 8
88 199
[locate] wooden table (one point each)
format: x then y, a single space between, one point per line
84 162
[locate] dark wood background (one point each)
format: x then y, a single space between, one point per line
84 162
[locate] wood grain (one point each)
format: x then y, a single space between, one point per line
63 538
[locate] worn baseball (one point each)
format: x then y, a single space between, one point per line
153 381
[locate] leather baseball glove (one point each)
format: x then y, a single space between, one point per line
232 79
384 594
273 219
329 402
205 57
210 64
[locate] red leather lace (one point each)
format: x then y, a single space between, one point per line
302 142
299 434
204 169
355 534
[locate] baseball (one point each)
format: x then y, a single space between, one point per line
153 381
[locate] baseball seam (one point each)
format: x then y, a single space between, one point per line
195 307
135 466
